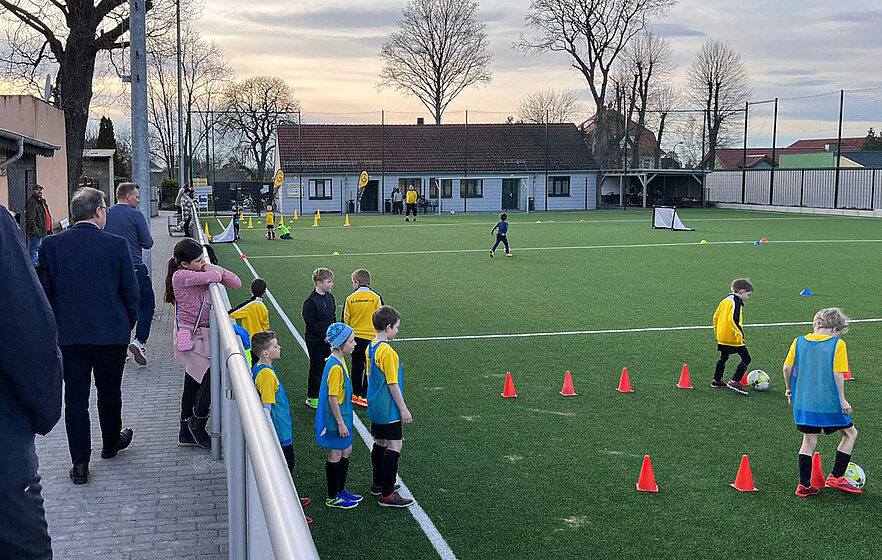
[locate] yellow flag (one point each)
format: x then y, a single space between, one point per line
363 179
280 178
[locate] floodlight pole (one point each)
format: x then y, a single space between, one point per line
180 97
138 81
774 146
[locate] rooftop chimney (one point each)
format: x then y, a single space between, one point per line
421 120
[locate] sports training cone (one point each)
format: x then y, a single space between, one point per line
508 391
295 215
207 234
764 240
315 221
244 256
646 482
847 376
703 242
318 214
744 480
568 390
818 472
347 220
625 382
581 221
336 254
250 224
685 381
743 381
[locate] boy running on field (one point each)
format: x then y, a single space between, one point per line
501 230
728 328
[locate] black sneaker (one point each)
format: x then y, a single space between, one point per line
394 500
735 386
125 438
717 384
377 490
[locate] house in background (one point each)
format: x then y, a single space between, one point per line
473 168
647 144
803 154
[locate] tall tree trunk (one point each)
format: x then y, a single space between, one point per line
76 95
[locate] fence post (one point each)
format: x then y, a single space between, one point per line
774 161
873 189
801 187
838 150
744 155
215 384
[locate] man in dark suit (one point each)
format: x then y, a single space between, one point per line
30 396
89 279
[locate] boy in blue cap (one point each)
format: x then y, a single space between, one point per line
333 419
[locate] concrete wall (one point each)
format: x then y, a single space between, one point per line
31 117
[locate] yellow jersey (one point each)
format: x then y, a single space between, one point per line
728 321
411 197
358 311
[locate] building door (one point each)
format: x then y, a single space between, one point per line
369 197
511 193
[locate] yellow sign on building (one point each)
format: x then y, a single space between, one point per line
280 178
363 179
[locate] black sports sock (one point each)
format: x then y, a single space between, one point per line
342 474
841 464
805 470
377 454
390 470
331 476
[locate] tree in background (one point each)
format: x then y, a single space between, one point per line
253 108
440 49
873 142
718 82
551 105
593 33
107 140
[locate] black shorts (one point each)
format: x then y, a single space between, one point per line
270 226
817 430
386 431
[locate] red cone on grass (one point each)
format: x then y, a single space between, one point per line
847 376
764 240
244 256
625 382
509 391
646 482
818 472
685 381
568 390
744 479
743 381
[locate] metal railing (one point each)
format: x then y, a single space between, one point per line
265 516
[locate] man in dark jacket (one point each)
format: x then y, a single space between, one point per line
90 282
30 397
38 222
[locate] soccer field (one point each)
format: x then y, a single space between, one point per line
544 476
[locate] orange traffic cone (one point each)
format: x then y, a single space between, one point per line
743 381
508 391
685 381
744 479
646 482
847 376
764 240
568 390
818 472
625 382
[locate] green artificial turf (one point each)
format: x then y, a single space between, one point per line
543 476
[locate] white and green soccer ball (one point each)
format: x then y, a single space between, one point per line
453 211
759 379
855 474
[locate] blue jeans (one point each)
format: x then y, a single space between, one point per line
146 304
34 243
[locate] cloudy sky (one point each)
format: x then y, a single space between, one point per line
328 51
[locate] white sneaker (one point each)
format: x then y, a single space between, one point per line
138 352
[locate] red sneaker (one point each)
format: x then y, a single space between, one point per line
358 401
308 520
842 484
305 502
804 491
395 500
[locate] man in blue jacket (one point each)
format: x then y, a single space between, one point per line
89 279
30 396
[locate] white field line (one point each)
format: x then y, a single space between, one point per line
567 248
609 331
441 546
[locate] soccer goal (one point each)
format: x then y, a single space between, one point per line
665 217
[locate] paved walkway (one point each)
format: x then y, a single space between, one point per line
155 499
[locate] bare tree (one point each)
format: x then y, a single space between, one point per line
593 33
550 105
719 83
253 109
440 49
71 34
663 99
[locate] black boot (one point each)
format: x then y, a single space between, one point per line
196 424
185 438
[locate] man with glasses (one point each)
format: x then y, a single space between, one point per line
89 280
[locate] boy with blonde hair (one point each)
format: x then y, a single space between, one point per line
319 311
728 328
253 312
358 311
814 379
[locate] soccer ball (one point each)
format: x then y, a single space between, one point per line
855 475
453 211
759 379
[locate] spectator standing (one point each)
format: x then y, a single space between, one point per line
38 222
125 220
187 211
397 199
411 201
178 203
30 402
89 280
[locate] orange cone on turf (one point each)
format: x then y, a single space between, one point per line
685 381
743 381
646 482
744 479
625 382
508 391
847 376
818 472
568 390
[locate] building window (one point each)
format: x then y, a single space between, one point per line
446 188
404 183
558 186
320 189
471 188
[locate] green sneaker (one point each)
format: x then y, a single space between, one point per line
340 502
311 403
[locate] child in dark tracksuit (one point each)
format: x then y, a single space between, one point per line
501 230
319 312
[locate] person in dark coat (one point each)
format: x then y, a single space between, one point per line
30 396
38 221
89 279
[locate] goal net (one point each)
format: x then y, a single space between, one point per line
665 217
